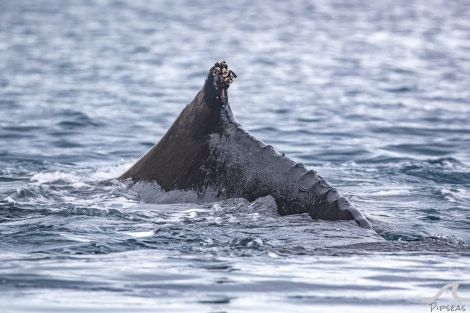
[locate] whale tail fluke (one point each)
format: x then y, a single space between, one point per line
208 153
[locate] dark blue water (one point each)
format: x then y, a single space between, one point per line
373 95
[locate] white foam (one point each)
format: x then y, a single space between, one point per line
80 177
55 177
109 172
140 234
9 200
151 192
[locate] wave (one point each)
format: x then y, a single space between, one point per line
442 170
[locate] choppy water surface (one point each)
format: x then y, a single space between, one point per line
373 95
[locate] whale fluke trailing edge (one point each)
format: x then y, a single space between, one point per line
207 152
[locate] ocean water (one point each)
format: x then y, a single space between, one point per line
374 95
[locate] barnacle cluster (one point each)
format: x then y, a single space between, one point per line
222 76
